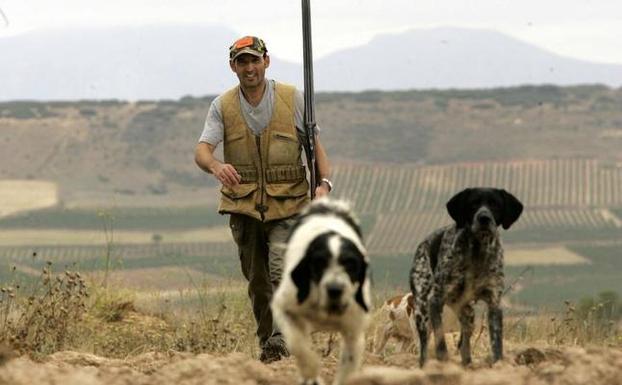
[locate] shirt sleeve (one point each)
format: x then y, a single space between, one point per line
299 114
214 127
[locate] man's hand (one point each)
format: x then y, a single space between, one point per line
321 190
227 174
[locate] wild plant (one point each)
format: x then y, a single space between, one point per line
43 320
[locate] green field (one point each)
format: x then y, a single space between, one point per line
539 286
550 286
573 203
139 218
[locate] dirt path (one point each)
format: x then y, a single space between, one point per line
547 366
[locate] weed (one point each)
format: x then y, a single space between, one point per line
44 320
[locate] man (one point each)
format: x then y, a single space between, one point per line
264 185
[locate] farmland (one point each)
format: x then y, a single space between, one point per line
114 186
24 195
113 193
571 214
539 184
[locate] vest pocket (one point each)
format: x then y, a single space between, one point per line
284 148
285 136
236 149
287 190
239 191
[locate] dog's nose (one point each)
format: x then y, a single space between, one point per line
334 290
484 220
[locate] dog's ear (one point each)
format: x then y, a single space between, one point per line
512 209
360 299
456 207
301 275
353 260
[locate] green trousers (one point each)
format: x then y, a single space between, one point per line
261 246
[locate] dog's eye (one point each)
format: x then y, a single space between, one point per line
319 258
318 265
351 265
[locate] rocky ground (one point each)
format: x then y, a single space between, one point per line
531 366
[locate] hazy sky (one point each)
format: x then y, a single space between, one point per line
585 29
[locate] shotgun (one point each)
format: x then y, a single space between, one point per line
309 113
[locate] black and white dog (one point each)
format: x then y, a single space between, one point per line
461 264
325 286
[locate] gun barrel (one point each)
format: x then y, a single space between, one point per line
309 101
308 63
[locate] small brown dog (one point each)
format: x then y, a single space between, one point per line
398 324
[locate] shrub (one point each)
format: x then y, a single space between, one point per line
44 320
600 313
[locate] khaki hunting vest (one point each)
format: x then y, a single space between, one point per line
274 184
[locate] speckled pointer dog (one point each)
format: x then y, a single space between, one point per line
460 264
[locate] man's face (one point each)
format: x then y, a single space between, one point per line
250 69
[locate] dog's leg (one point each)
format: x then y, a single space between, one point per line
495 320
419 321
382 336
436 316
401 342
495 326
352 347
411 345
467 318
297 335
421 282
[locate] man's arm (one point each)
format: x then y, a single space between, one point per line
224 172
323 167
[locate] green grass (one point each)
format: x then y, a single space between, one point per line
213 257
617 212
546 286
524 96
225 265
9 277
551 285
540 286
367 222
391 273
25 110
561 233
122 219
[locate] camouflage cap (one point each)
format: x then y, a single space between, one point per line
247 44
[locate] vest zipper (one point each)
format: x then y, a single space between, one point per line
261 207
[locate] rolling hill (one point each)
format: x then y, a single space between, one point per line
128 167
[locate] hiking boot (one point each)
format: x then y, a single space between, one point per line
273 350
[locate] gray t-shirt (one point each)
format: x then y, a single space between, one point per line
257 118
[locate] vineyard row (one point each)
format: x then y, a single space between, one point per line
391 234
75 253
543 183
395 234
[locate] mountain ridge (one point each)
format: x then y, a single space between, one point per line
168 62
